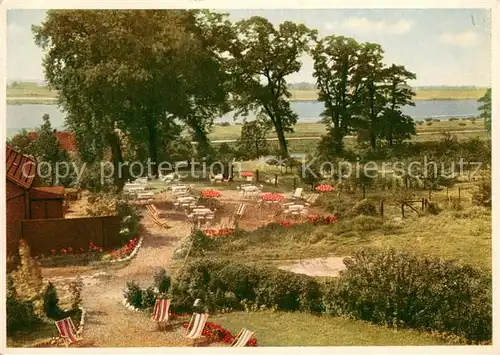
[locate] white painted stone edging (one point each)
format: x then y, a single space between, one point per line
129 307
132 254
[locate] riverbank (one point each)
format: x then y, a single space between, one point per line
48 97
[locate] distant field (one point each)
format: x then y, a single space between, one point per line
431 94
318 129
18 95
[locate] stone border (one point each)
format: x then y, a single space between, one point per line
130 256
129 307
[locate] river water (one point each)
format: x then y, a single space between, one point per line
29 116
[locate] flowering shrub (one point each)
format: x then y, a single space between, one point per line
210 193
218 232
325 188
317 219
313 219
219 334
272 196
125 250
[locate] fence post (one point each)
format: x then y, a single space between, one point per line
459 193
423 203
430 192
257 175
294 183
382 208
402 210
275 180
364 192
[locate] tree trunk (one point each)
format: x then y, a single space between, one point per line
117 159
338 140
281 138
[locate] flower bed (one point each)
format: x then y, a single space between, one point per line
217 232
124 251
217 333
313 219
210 193
325 188
272 196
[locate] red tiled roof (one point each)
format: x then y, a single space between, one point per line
20 169
66 140
47 192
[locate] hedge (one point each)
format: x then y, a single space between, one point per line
220 285
384 287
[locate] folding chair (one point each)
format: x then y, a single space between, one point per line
242 338
67 331
311 200
298 193
196 326
160 312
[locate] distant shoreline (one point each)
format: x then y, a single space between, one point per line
47 97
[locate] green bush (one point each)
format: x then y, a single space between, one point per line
433 208
462 124
162 281
20 314
133 294
229 285
364 207
400 289
149 298
482 192
51 302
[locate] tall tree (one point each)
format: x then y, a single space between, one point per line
130 70
252 142
485 109
397 92
369 79
335 63
262 57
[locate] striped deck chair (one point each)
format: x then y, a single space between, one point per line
67 331
240 210
196 326
160 312
242 338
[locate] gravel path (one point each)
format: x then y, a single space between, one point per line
108 323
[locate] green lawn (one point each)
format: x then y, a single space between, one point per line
302 329
32 336
459 235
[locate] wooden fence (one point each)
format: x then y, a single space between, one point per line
43 235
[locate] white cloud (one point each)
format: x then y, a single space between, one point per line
464 39
365 25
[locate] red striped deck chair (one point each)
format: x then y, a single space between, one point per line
68 331
196 326
242 338
160 312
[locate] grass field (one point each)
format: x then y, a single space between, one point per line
303 129
302 329
430 94
42 94
463 235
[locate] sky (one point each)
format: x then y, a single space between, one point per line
441 46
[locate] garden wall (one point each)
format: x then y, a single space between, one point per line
43 235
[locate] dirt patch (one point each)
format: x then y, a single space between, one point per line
317 267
